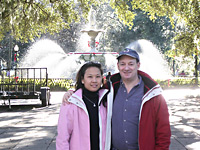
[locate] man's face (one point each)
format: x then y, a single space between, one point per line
128 67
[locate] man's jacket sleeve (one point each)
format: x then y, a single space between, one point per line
163 132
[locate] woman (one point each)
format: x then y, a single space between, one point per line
82 123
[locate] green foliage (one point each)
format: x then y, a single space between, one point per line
123 11
117 35
188 22
26 20
24 84
60 84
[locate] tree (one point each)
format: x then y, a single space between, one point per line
118 35
28 19
7 49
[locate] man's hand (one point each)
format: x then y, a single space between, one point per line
66 97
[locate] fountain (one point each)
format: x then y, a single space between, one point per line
46 53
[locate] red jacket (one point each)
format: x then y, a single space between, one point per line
154 126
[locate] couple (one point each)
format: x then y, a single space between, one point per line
140 118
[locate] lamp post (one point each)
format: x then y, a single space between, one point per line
196 41
16 49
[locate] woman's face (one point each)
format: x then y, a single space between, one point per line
92 79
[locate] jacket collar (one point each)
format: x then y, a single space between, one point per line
149 83
78 94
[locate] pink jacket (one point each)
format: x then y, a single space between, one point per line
74 127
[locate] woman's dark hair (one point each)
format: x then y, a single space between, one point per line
81 73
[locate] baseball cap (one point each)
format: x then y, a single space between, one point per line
129 52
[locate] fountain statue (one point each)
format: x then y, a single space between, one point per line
93 54
92 31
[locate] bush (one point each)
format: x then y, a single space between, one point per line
178 83
60 84
57 84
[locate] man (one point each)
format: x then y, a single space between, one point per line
140 118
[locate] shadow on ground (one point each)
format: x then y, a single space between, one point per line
28 127
184 120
